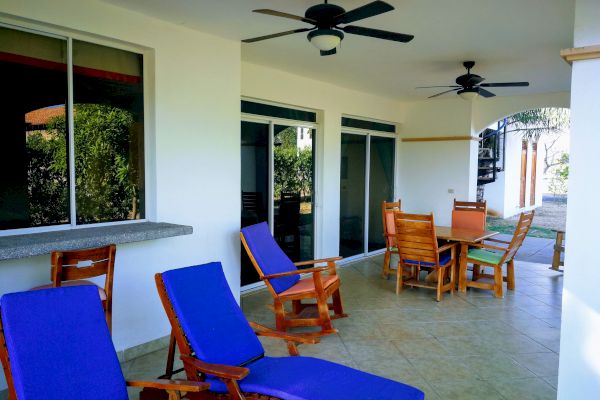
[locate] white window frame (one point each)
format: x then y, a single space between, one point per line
149 132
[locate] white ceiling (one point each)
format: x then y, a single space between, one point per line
509 39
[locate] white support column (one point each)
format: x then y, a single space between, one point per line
579 370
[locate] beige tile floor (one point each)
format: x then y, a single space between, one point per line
469 346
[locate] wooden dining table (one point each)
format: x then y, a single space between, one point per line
464 237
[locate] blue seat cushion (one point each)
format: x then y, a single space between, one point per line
444 259
308 378
59 345
209 315
269 256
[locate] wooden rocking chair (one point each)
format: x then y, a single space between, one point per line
282 278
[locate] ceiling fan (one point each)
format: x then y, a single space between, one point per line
326 35
469 86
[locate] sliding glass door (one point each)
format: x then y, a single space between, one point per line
352 194
255 185
367 179
278 187
381 186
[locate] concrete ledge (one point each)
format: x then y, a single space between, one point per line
35 244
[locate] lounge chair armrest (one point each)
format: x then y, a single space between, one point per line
496 240
296 272
322 260
487 246
447 247
171 384
262 330
218 370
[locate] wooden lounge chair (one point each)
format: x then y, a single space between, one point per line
495 256
282 278
55 345
219 346
389 233
418 249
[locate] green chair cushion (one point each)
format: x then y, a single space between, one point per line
485 256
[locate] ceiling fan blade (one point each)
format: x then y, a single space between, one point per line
285 15
505 84
328 52
366 11
439 94
274 35
485 93
378 33
431 87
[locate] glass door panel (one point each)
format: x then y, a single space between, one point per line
352 194
381 186
293 174
255 185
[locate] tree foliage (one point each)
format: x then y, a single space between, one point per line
532 124
293 167
106 177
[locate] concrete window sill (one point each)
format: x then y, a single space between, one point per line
35 244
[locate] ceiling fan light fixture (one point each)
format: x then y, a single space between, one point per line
468 94
325 39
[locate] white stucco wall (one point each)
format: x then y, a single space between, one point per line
331 102
579 367
196 79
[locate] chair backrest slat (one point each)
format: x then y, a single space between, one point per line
59 346
416 237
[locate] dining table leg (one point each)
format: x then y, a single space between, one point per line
462 274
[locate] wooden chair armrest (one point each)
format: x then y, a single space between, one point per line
447 247
218 370
496 240
487 246
262 330
297 272
322 260
171 384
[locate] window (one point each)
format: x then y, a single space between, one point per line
41 184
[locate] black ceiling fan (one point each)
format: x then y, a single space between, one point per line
326 34
469 85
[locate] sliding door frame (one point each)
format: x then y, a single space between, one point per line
271 122
369 134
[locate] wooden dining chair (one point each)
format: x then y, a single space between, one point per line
495 256
389 233
418 249
469 215
282 278
75 267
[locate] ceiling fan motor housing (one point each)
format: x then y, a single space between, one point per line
324 14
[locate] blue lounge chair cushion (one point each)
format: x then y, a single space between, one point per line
59 345
211 319
269 256
308 378
444 259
